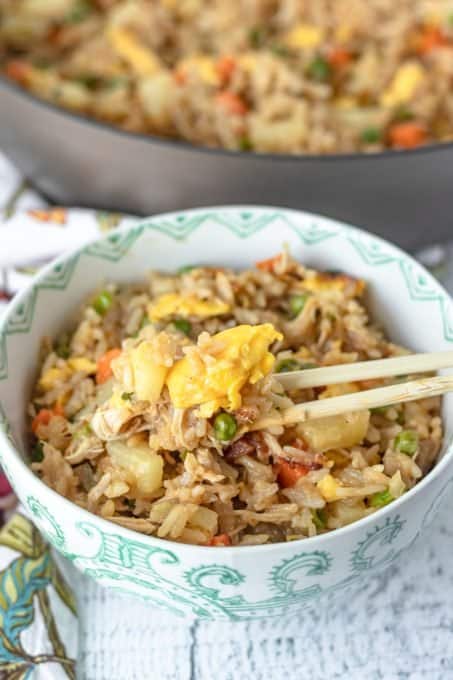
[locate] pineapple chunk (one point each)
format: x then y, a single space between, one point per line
52 377
142 60
204 66
81 364
305 36
328 486
149 376
204 519
404 84
335 432
248 61
156 95
344 33
144 466
346 103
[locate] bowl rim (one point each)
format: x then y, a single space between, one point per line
176 144
226 551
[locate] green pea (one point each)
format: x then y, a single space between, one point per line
245 144
37 452
371 135
297 303
407 442
62 348
84 431
280 51
187 268
287 365
319 518
41 62
403 113
379 409
319 69
79 12
127 396
89 81
183 326
381 498
225 426
114 82
256 37
103 302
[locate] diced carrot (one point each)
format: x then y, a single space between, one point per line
288 472
429 39
57 215
18 70
104 370
225 68
232 103
180 76
407 135
45 415
339 56
58 410
220 539
42 418
269 265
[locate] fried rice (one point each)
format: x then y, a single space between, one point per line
292 76
144 409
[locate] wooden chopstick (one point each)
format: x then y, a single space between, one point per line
367 370
358 401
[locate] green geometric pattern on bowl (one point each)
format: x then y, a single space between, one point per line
222 582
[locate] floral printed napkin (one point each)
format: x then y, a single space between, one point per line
38 624
38 616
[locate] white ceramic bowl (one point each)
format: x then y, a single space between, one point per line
209 582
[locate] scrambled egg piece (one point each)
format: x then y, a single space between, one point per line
248 61
185 305
81 364
329 488
404 84
213 376
346 103
204 66
321 282
344 33
52 376
142 60
305 36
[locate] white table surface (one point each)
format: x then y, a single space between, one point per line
398 626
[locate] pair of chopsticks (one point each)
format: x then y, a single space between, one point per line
373 398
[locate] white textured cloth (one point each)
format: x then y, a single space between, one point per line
397 626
